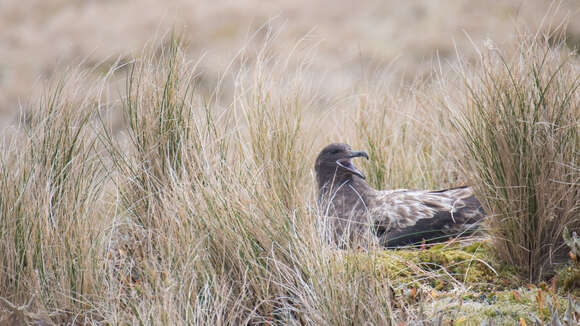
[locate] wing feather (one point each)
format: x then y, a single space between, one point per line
403 217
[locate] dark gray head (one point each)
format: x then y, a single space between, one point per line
334 164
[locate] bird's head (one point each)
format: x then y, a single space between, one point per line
334 163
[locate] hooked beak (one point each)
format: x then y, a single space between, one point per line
346 164
358 154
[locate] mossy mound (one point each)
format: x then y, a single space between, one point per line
568 278
440 267
466 284
528 305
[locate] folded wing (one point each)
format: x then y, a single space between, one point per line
407 217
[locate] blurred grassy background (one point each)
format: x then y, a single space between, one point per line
352 40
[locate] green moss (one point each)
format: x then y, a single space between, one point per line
498 307
440 266
568 279
464 284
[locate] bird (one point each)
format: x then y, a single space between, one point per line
359 214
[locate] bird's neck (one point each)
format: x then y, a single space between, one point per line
344 185
361 188
361 184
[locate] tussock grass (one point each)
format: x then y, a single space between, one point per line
521 134
51 220
217 207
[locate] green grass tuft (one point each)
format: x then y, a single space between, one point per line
521 134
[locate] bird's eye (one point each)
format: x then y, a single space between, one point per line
335 151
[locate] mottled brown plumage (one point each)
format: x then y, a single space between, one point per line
392 218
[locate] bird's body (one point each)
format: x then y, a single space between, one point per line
392 218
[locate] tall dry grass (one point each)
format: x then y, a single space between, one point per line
404 137
52 228
520 129
218 208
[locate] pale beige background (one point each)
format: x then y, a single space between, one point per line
39 38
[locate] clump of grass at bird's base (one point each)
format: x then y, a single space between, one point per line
521 135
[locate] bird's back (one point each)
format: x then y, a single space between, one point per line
404 217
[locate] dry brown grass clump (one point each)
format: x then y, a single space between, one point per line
218 225
52 227
520 128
